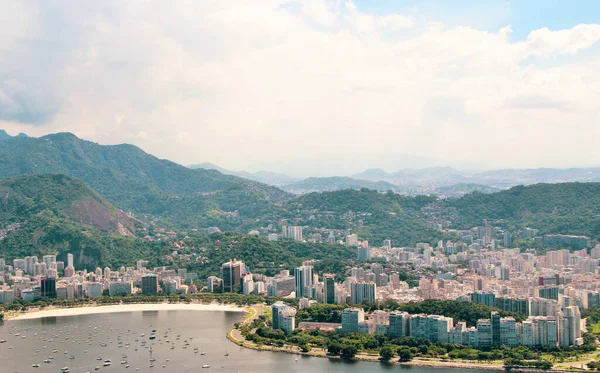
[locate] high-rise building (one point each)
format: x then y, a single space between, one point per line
120 288
328 288
508 332
232 272
294 232
363 253
94 289
284 317
387 244
331 237
303 277
495 321
484 333
398 324
48 287
507 239
213 283
50 261
30 262
351 317
150 284
70 260
361 292
351 240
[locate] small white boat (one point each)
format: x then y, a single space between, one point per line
206 366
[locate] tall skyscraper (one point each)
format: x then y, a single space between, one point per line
495 320
232 276
303 277
48 287
387 244
69 260
150 284
328 289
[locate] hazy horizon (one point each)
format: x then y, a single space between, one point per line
311 87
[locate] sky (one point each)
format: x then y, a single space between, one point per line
311 86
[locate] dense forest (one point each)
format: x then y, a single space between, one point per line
566 208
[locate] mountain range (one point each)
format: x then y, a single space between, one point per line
441 181
59 193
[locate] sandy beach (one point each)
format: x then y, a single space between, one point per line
91 310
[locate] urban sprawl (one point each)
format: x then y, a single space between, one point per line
480 267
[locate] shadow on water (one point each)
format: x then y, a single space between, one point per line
49 320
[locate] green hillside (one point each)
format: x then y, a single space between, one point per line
565 208
56 214
141 183
259 254
59 196
374 216
66 153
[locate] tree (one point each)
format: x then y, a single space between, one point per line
334 349
305 348
349 352
594 365
386 353
405 353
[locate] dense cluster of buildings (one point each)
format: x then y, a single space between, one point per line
562 330
548 289
29 279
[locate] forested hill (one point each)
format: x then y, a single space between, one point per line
374 216
62 197
566 208
56 214
136 181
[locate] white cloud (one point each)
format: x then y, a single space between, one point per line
319 11
546 42
237 82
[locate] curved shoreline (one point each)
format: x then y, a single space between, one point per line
137 307
417 362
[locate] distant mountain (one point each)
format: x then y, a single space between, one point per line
565 208
372 174
267 177
210 166
4 135
136 181
430 180
511 177
322 184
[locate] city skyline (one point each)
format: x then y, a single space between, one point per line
485 86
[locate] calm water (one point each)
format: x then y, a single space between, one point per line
112 336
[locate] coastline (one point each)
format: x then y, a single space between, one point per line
137 307
235 337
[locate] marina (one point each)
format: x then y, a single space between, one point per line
112 342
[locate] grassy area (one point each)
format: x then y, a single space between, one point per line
596 328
